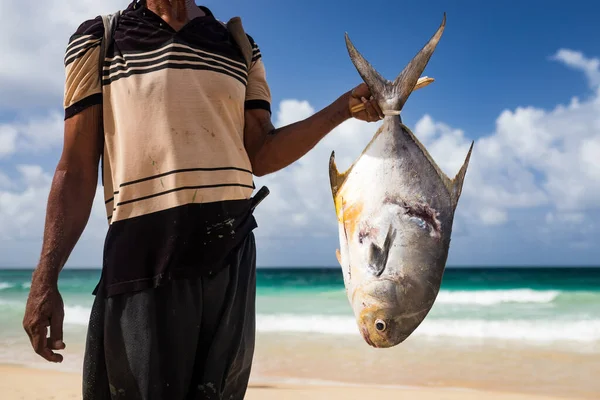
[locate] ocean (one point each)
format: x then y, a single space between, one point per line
531 330
538 305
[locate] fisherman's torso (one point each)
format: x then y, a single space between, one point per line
174 162
173 115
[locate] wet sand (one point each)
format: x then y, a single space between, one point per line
569 370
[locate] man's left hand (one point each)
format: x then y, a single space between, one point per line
362 95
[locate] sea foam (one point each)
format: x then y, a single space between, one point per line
491 297
530 330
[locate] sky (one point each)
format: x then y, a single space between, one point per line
521 79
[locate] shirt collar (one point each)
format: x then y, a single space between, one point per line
139 8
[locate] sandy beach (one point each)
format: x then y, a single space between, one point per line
17 383
315 367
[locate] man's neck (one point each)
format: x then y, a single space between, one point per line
175 12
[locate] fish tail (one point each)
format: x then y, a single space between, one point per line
391 96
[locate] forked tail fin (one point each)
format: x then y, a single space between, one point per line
391 96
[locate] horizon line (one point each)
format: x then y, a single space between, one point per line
457 266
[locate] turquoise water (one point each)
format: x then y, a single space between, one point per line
531 304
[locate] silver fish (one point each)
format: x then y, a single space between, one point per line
395 209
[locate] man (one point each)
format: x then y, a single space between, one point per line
180 124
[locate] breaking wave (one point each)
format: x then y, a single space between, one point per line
77 315
491 297
535 330
523 314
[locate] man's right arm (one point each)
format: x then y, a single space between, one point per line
69 205
73 187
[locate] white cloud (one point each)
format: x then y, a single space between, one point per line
22 215
32 72
36 134
20 210
492 216
291 111
5 181
8 140
576 60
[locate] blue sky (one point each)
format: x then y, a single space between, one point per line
493 55
507 74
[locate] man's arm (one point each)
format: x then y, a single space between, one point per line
68 210
272 149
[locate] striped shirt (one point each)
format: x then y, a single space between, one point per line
174 162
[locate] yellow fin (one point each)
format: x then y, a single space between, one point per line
336 179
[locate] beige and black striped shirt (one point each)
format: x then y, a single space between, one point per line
173 105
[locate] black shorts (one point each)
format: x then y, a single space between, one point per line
187 339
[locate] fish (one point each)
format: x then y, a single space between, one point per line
395 210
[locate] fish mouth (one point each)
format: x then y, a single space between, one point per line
365 335
382 344
397 324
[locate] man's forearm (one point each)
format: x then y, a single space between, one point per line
283 146
69 206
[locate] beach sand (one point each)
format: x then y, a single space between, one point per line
313 366
20 383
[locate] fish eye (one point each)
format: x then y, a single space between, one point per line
380 325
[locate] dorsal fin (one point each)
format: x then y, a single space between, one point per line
454 186
457 182
447 181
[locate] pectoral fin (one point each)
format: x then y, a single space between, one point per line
379 255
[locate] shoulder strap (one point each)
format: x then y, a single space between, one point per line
236 29
110 24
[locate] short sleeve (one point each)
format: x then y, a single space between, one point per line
82 83
258 93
